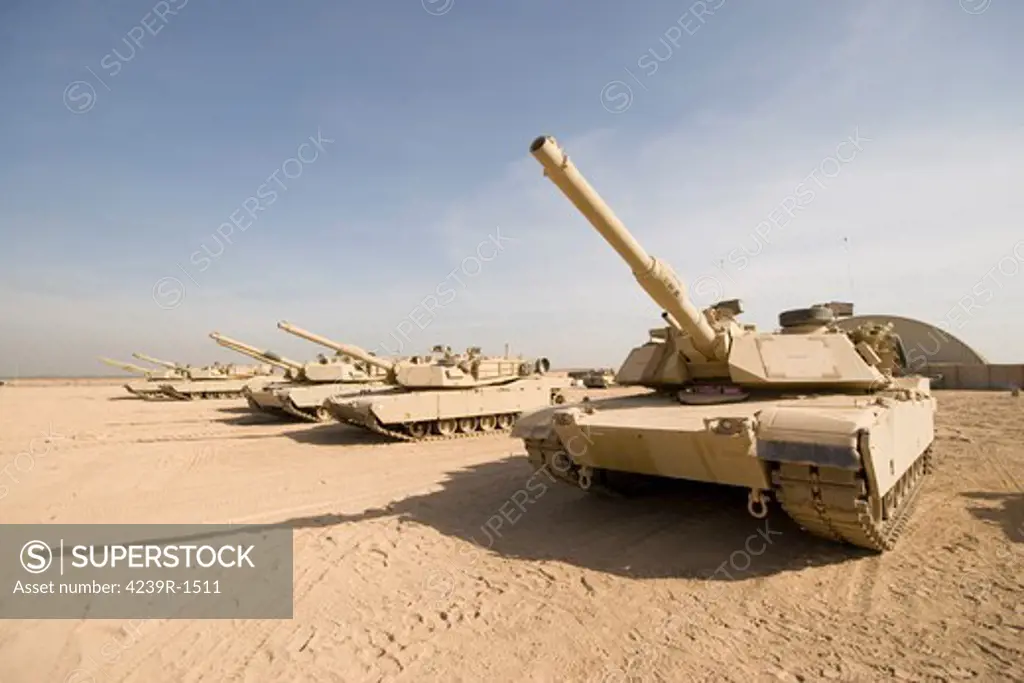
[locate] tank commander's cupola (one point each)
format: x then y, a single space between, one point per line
804 320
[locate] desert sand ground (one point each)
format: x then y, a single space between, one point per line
397 576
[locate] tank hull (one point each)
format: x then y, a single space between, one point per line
304 401
598 381
213 388
844 467
312 396
447 413
262 399
148 390
265 394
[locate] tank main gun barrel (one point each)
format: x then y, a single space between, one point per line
345 349
128 367
656 278
253 352
273 362
156 361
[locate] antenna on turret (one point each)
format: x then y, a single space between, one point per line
721 266
849 267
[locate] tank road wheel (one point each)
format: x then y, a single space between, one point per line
322 414
418 430
488 423
506 421
446 427
468 425
557 398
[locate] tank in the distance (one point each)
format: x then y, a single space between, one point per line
443 395
148 388
599 378
305 385
819 420
259 394
217 380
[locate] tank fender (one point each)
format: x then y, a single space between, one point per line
806 436
538 425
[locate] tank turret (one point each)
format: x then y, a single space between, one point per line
711 346
442 369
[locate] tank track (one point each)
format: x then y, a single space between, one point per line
550 451
150 395
827 502
398 431
395 431
292 410
834 504
204 395
278 413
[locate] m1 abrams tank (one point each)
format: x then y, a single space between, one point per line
599 379
149 388
305 386
811 416
212 381
443 395
259 394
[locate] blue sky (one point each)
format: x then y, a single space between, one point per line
114 184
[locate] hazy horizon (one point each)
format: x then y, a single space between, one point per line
364 172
